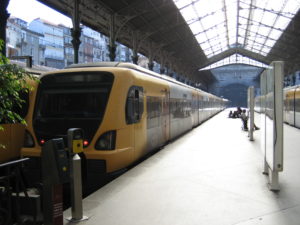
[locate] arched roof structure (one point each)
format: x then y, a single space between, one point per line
159 30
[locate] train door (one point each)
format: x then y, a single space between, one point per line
166 116
297 107
136 116
200 109
194 109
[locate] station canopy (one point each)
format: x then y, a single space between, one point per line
254 25
189 35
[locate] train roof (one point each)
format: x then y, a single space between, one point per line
129 66
132 66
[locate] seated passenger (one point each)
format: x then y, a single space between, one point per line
235 114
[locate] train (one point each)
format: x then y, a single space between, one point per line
291 105
12 134
125 111
291 101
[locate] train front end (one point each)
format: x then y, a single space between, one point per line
81 98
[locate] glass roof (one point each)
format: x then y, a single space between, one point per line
222 24
236 59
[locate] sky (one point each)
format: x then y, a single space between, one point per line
29 10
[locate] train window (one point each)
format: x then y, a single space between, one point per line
154 111
76 100
134 105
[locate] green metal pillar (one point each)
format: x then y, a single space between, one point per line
4 15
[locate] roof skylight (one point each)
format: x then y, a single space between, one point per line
222 24
235 59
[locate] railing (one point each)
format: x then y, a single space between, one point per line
27 58
11 184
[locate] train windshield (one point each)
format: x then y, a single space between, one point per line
71 100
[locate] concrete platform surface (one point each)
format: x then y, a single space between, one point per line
210 176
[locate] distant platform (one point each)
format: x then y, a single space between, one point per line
210 176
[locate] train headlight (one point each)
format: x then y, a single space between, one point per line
28 139
106 141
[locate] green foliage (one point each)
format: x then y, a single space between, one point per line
13 81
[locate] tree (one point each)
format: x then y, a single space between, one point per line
13 81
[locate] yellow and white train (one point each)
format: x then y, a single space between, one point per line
291 107
291 99
126 111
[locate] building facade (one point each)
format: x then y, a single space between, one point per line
53 40
51 44
68 47
22 41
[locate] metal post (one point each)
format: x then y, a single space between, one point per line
3 21
135 43
150 65
75 145
112 51
76 190
76 31
112 44
135 57
251 112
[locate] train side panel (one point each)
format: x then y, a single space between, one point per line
297 107
156 112
180 110
195 108
289 106
140 113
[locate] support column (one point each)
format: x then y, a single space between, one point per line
135 57
150 64
135 43
112 47
4 15
76 31
114 32
112 52
162 63
162 69
150 55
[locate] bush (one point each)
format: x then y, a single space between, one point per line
13 82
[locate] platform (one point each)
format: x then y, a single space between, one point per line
212 176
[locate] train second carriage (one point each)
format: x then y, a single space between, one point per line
125 111
291 98
291 108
